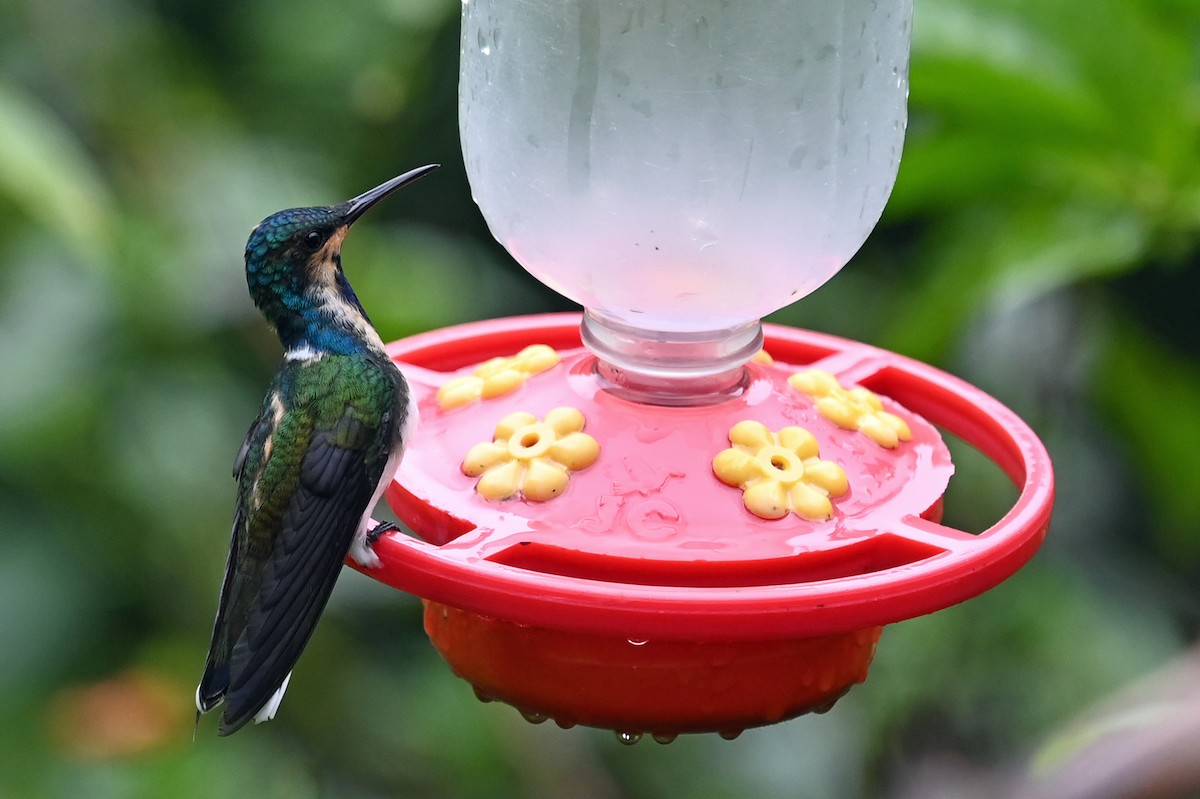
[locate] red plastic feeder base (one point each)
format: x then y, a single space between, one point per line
663 570
662 687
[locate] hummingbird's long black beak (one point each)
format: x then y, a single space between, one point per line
359 205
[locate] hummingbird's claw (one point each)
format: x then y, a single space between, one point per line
362 550
378 530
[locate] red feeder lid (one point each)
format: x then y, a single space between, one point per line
647 542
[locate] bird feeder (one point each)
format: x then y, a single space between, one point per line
660 516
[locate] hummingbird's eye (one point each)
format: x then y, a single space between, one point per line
314 240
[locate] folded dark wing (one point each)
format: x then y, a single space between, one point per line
316 529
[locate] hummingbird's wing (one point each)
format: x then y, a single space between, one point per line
322 463
211 691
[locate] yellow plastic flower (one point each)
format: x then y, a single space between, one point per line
780 472
496 377
763 358
531 457
852 409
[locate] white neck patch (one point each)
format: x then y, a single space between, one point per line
302 353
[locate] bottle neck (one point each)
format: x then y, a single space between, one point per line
670 368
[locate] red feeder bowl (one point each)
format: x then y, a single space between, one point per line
645 596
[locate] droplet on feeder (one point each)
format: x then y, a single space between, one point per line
533 717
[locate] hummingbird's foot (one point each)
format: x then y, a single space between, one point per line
376 532
362 549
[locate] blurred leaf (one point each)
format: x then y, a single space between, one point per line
1152 396
990 63
43 612
962 675
1028 67
59 313
182 250
1010 255
939 173
1050 147
46 173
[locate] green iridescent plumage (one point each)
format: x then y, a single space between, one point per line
345 398
327 440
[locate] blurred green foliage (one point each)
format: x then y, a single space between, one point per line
1042 241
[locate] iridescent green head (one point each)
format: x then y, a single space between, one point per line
294 271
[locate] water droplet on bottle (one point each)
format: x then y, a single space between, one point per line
729 735
483 697
702 233
665 737
533 717
629 738
638 642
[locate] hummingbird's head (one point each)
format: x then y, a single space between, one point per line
294 270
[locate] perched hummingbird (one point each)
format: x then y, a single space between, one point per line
326 443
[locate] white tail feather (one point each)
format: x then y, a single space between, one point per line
272 706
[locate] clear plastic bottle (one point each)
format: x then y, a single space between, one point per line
682 167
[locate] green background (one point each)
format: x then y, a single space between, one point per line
1042 242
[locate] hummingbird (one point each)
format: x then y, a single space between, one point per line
326 443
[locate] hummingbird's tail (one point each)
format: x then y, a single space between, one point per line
213 685
211 693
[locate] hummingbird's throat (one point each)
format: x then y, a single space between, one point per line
337 317
317 313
